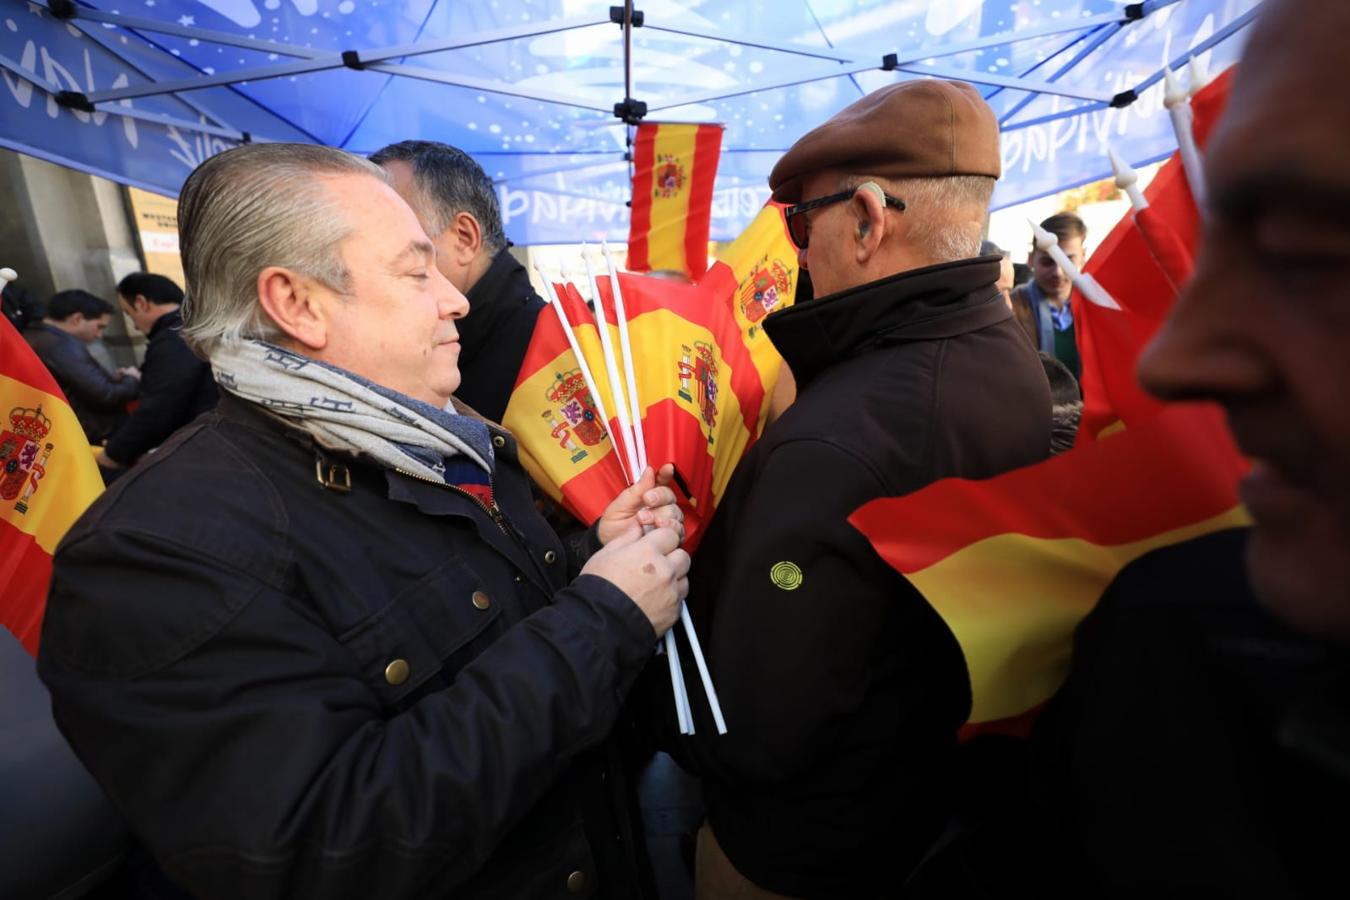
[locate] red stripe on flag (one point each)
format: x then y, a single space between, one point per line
546 343
707 151
640 221
1130 487
25 572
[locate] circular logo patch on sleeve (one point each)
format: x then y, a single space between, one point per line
786 575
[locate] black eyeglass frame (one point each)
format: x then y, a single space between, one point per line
799 208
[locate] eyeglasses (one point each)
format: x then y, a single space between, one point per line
799 227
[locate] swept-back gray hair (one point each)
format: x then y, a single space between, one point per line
946 216
248 208
448 182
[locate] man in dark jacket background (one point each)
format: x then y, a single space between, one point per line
457 206
176 385
842 689
75 319
320 644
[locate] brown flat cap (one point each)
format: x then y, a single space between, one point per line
915 129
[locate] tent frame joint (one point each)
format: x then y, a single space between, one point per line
630 111
352 60
1134 12
77 100
616 16
890 62
61 9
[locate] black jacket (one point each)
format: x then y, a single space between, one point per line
842 688
495 334
176 387
99 399
292 691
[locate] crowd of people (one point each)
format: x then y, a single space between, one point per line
322 642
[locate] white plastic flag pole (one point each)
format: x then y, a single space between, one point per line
682 708
7 275
1178 106
612 369
1199 79
1127 179
626 348
1047 242
621 317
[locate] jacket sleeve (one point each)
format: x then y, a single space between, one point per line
93 386
242 743
168 383
798 613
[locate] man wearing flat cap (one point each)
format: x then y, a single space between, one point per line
842 689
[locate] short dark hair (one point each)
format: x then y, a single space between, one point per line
450 183
65 304
989 248
1065 225
1063 386
155 288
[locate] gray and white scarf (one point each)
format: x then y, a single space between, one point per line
347 412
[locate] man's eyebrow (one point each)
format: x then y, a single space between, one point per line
1259 193
416 248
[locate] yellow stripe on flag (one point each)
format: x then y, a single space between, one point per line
67 478
674 145
1013 602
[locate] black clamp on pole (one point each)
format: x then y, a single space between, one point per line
1124 99
616 16
61 9
1134 12
890 62
630 111
352 60
74 100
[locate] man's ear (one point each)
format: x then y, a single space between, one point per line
292 302
868 206
467 237
140 302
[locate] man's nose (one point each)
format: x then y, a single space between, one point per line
451 303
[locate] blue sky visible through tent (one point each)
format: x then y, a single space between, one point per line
536 108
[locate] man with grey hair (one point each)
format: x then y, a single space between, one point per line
322 644
845 689
457 206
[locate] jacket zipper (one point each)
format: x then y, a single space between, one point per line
494 512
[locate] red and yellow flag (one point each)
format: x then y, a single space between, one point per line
674 166
704 368
1142 263
47 479
1012 564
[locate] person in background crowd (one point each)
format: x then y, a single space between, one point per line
74 320
1006 275
842 689
18 306
176 385
457 206
1066 398
1042 304
321 644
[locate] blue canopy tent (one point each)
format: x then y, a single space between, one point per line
544 92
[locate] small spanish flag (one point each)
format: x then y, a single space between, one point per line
48 478
674 166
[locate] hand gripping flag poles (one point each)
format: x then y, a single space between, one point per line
624 399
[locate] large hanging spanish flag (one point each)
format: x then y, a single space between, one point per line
47 479
1013 563
674 166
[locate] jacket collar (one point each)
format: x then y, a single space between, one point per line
169 321
494 299
931 303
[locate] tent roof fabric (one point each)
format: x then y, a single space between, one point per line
141 91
